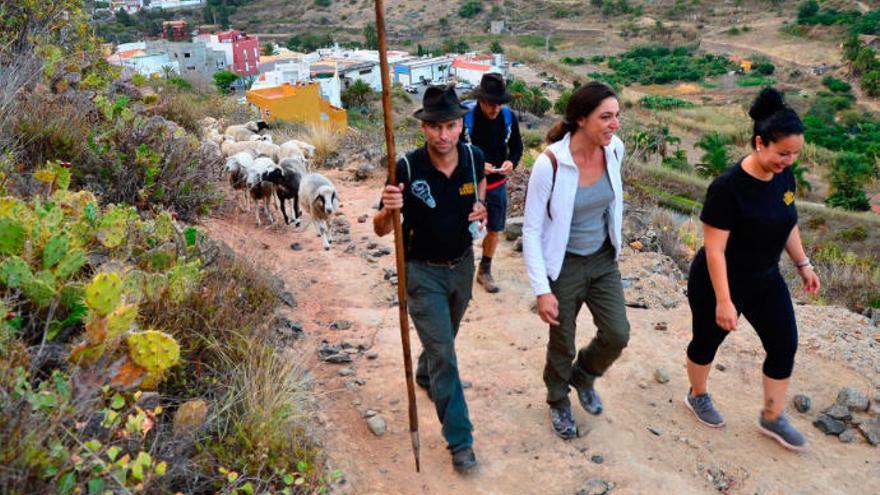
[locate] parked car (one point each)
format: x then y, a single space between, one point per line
466 85
411 89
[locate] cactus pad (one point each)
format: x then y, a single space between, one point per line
73 260
182 279
96 329
15 272
153 350
120 320
104 293
55 250
12 236
163 228
155 286
84 354
126 376
113 227
39 291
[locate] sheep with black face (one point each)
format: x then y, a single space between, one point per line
318 198
287 178
259 188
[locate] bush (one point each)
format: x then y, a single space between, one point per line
470 8
323 3
870 83
751 81
573 60
224 80
836 85
663 102
326 143
528 98
678 161
562 102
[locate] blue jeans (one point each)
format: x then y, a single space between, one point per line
438 297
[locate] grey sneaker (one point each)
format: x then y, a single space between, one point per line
703 408
563 422
783 432
485 279
590 400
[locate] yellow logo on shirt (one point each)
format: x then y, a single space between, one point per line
788 198
466 189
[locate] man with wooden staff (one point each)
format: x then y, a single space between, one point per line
440 193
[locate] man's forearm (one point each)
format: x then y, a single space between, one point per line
383 222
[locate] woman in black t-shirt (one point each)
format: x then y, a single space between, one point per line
749 217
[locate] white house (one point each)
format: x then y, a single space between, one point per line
174 4
471 67
422 70
151 64
278 73
368 71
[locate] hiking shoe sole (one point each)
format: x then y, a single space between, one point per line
691 409
780 440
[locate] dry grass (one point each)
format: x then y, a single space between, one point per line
326 142
730 120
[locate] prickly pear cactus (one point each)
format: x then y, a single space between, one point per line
155 286
113 226
55 250
15 272
73 260
121 320
39 291
96 329
85 354
104 293
181 279
153 351
12 236
163 228
133 284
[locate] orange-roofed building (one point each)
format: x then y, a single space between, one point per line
297 103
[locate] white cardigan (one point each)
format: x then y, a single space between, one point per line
545 240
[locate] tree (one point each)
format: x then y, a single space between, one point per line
849 173
224 80
870 83
123 18
496 47
358 95
371 37
716 156
800 178
268 50
528 98
865 60
562 102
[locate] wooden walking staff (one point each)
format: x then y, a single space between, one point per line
398 234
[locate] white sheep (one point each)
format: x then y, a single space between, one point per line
291 149
242 132
238 165
318 198
262 148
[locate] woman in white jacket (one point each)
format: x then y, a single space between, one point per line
571 240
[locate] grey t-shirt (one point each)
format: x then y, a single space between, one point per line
589 223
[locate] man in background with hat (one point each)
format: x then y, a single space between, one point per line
439 193
493 127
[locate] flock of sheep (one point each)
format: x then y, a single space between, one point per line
264 170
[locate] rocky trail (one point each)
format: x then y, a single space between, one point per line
645 442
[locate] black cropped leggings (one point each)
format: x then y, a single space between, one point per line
765 302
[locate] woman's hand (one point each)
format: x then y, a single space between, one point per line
725 315
548 309
810 279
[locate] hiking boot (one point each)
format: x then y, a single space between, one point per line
485 279
589 400
464 460
703 408
563 422
783 432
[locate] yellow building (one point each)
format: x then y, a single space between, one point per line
301 103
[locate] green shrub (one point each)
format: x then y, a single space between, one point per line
678 161
751 81
662 65
854 234
358 95
562 102
573 60
663 102
470 8
836 85
528 98
224 79
323 3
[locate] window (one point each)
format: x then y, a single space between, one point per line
186 55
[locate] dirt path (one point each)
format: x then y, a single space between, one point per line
501 350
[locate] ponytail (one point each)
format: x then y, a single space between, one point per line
559 130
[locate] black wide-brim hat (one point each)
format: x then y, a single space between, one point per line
492 88
440 104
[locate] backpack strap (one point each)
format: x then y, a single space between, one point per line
508 123
468 125
474 171
555 166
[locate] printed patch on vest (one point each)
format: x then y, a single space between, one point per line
422 190
788 197
466 189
